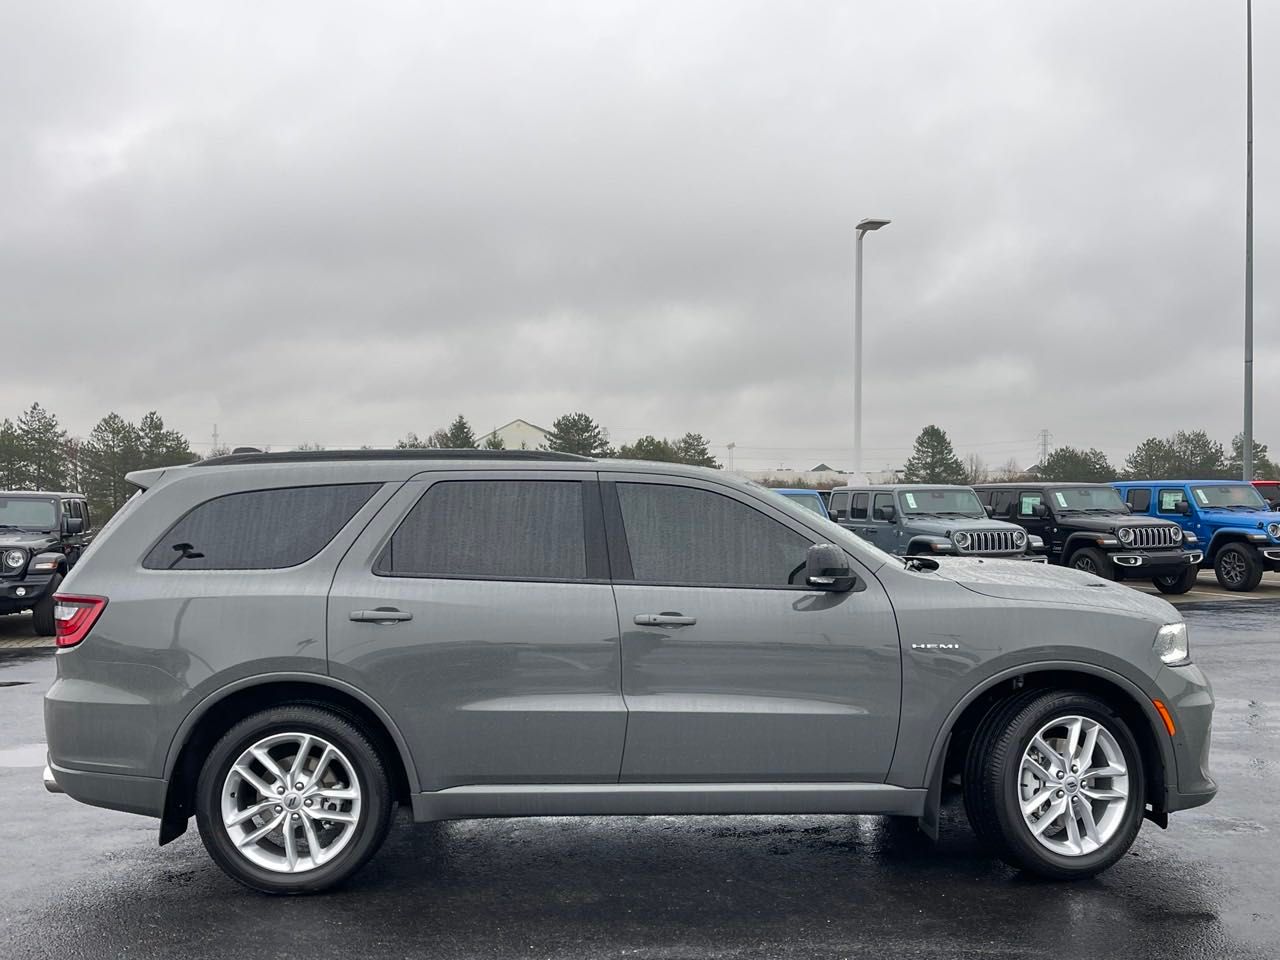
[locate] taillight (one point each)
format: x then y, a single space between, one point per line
74 617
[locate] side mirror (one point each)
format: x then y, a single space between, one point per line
886 514
73 525
1183 508
1128 507
991 511
838 515
827 568
1040 510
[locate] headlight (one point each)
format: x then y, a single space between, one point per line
1125 534
14 559
961 539
1019 538
1171 644
1274 530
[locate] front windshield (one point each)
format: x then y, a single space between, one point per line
1088 499
1228 496
808 500
942 502
25 513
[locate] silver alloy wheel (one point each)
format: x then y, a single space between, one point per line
1232 564
291 802
1073 786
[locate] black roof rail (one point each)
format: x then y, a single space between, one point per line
415 453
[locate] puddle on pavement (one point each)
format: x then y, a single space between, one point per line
28 755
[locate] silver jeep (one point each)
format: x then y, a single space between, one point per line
914 519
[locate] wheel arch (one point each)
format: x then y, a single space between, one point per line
1221 538
956 735
1079 541
217 712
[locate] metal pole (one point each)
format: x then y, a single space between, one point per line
1247 445
857 362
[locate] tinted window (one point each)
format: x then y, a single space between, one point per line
686 535
840 502
1002 502
1139 499
260 529
859 511
499 529
881 500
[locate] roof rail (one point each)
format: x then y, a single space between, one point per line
416 453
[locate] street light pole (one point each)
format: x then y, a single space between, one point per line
1247 444
864 227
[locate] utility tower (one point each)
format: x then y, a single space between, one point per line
1045 438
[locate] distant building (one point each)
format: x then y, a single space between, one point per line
521 435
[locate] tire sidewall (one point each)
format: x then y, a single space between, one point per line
1104 567
1182 584
1022 845
42 618
1253 568
370 775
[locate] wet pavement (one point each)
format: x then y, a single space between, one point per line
79 882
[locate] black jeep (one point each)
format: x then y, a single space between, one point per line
42 535
1087 526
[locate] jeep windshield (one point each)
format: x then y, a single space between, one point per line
27 513
1087 500
1229 496
941 503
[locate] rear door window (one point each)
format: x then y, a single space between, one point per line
492 529
259 529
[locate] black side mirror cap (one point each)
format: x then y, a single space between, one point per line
73 525
1040 510
887 514
827 568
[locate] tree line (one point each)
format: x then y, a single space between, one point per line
1190 455
574 433
36 453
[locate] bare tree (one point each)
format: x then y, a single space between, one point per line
975 469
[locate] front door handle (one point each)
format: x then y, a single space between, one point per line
664 620
381 615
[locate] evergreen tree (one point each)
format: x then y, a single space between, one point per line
412 441
1199 458
1152 459
13 468
459 435
113 449
42 444
1068 463
933 460
1263 468
692 449
494 442
649 448
158 447
578 433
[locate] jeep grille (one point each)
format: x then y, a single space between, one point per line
1164 535
991 541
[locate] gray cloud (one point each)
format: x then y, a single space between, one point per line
307 222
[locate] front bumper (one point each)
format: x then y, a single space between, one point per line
1153 563
1187 694
22 593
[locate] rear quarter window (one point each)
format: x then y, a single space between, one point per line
258 529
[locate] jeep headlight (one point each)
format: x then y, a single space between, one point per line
14 559
1019 538
961 540
1171 644
1125 534
1273 528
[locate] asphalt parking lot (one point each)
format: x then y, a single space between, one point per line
81 882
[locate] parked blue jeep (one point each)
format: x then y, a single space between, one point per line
811 499
1240 533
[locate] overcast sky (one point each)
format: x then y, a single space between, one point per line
310 222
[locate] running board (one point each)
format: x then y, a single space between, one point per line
659 799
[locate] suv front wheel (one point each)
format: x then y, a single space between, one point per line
293 799
1056 784
1092 560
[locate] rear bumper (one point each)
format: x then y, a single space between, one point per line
142 795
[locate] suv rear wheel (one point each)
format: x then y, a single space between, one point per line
293 799
1237 567
1178 582
1092 560
1058 786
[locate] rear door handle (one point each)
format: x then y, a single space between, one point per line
381 615
664 620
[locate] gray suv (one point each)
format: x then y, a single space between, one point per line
932 519
287 646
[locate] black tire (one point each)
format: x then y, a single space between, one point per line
376 802
992 799
1178 582
42 619
1237 567
1092 560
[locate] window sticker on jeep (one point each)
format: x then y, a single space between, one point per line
1200 495
1062 501
911 500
